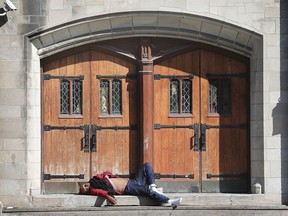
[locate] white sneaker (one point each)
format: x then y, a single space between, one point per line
155 189
173 202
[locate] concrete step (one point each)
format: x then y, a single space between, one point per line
192 204
149 211
189 199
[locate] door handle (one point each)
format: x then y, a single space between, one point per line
196 136
94 138
85 128
203 137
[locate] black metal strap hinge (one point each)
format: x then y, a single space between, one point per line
64 127
49 76
227 175
85 128
130 127
159 176
49 176
129 76
203 128
173 176
174 126
241 126
160 76
96 128
195 127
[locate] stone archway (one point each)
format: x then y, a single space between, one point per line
144 23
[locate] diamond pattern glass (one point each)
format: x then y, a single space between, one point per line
104 96
116 97
186 96
174 96
64 97
77 97
213 96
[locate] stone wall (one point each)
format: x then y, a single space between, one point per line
20 147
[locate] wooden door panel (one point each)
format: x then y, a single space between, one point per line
117 149
112 152
63 149
174 147
221 154
67 154
225 159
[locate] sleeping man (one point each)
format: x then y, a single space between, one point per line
142 184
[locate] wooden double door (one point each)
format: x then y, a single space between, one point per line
204 135
89 102
91 119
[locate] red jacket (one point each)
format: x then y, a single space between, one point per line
101 176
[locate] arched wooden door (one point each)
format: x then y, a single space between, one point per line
88 116
198 135
201 122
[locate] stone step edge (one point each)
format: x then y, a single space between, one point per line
139 208
189 199
125 200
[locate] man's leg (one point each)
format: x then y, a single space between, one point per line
138 185
143 183
145 175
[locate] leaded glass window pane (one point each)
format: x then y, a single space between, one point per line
64 97
186 96
220 96
174 96
213 96
116 97
77 97
104 96
225 97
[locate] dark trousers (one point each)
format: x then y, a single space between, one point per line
139 184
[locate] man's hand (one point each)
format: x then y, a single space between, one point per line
111 199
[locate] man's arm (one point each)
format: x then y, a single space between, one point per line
103 193
111 199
